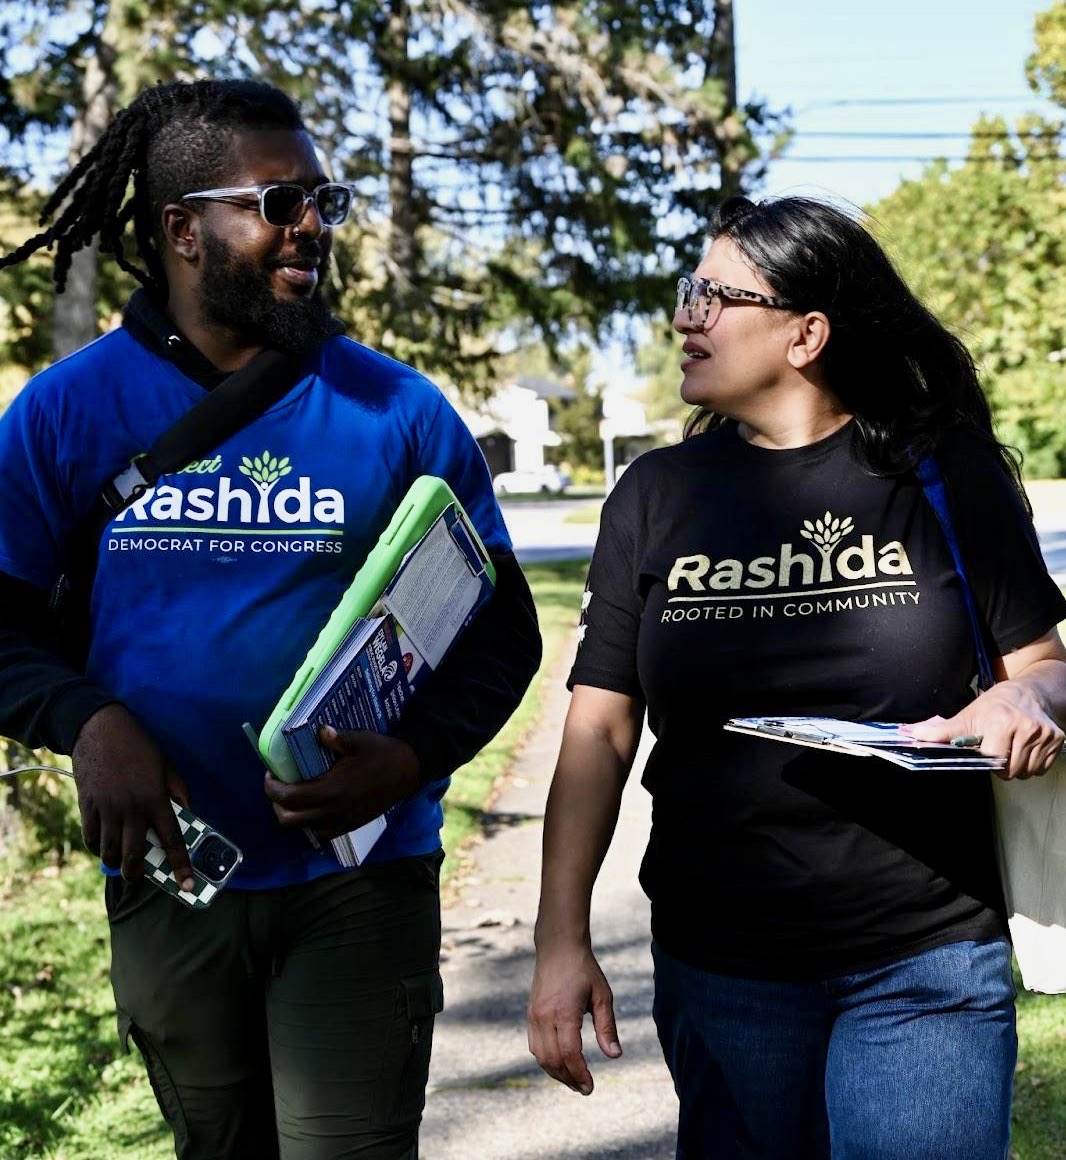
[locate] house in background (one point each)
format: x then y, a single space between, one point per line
513 426
626 433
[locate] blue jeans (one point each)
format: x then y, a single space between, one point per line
913 1060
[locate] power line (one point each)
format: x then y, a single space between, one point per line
982 134
929 157
880 101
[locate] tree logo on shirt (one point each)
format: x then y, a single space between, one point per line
264 471
825 534
790 569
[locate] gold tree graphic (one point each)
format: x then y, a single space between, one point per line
264 471
825 534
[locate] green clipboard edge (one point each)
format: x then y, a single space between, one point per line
427 497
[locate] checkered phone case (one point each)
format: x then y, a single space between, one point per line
157 870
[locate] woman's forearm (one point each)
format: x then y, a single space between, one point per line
1045 682
599 743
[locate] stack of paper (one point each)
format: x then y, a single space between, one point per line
865 739
385 657
366 686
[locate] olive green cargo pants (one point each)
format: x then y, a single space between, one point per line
288 1024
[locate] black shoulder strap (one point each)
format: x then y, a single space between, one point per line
239 399
233 404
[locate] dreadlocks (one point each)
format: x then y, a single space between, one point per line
172 139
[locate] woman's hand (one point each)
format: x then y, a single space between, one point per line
600 739
1017 719
1010 723
567 984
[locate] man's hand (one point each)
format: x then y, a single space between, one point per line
372 773
567 985
124 788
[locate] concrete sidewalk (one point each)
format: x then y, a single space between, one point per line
487 1097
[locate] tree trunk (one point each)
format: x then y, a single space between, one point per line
401 253
722 63
74 314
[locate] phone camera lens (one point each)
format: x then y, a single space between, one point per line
214 858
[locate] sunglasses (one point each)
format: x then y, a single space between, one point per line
284 203
703 299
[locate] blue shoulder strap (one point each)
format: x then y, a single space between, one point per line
933 485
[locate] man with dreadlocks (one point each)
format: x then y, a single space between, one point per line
293 1017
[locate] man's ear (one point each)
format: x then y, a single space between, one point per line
809 334
181 229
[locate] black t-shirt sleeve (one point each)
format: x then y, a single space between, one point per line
1018 599
612 605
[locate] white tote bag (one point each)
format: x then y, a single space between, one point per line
1031 836
1030 814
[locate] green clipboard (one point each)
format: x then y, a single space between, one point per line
427 497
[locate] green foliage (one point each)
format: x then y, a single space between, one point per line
25 290
38 810
26 295
1028 403
577 421
1046 68
985 245
659 364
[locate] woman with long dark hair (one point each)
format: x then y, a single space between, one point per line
832 966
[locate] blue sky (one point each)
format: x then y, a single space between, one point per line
807 54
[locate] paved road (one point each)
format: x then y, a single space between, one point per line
540 530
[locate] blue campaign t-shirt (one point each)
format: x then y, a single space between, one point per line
210 589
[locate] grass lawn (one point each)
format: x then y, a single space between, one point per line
586 514
65 1091
1040 1082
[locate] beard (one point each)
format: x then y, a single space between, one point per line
237 294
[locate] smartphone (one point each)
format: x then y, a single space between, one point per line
213 859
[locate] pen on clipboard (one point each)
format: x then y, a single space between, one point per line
778 729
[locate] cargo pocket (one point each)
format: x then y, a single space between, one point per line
401 1087
166 1094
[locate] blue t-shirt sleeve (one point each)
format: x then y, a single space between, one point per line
447 449
36 512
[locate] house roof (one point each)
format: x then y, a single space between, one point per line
546 388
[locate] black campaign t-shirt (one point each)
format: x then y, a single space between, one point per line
732 580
